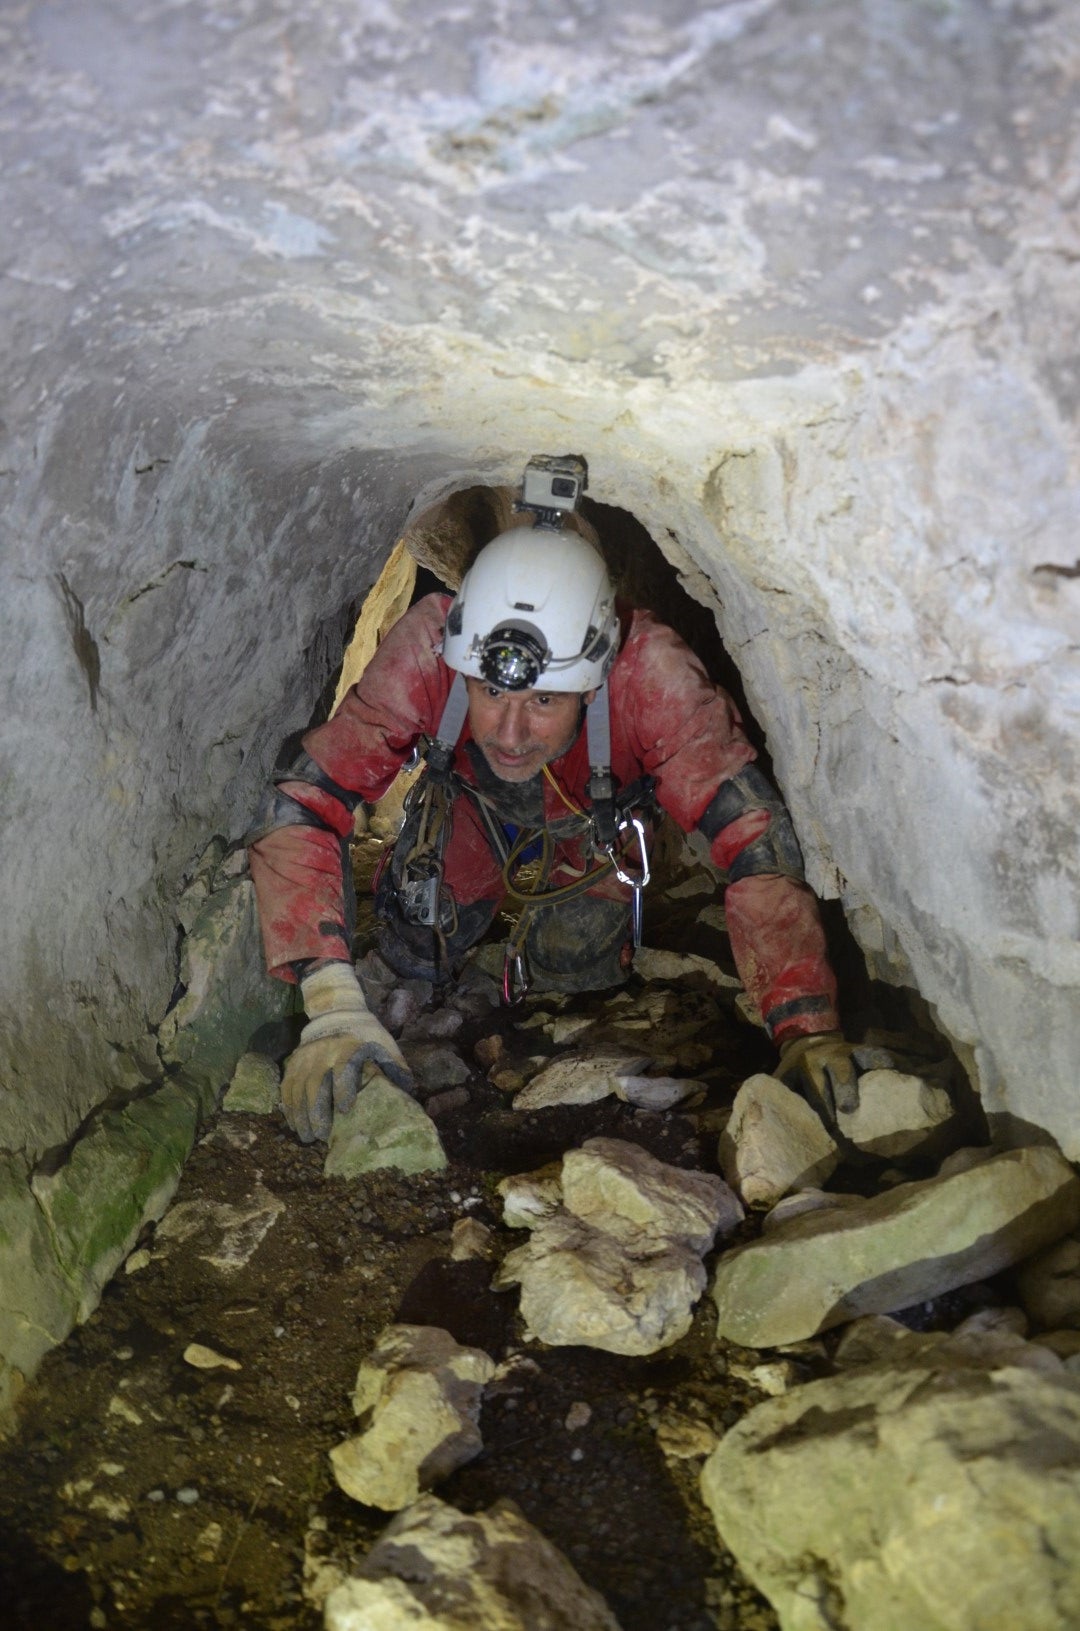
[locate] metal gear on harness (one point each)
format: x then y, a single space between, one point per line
416 858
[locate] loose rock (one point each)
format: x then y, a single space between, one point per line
774 1142
203 1358
384 1128
255 1087
579 1079
1049 1286
618 1265
906 1246
470 1238
898 1116
434 1569
423 1393
435 1066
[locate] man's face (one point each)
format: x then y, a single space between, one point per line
519 732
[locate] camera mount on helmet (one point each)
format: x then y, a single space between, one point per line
551 487
537 606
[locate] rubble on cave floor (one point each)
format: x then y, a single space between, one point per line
174 1466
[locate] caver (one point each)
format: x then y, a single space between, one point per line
554 721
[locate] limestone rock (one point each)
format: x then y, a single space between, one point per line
622 1189
435 1569
883 1499
227 994
384 1128
802 1200
579 1078
470 1239
435 1066
222 1235
656 1092
201 1357
898 1116
902 1247
962 1160
618 1265
1049 1286
121 1174
987 1340
255 1086
422 1392
530 1196
655 964
774 1142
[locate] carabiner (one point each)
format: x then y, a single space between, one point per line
516 971
635 885
623 876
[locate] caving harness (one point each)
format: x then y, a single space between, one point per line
616 821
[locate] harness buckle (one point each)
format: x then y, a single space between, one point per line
420 900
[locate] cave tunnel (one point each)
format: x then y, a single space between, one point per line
285 286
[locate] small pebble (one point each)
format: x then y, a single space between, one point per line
155 1495
187 1496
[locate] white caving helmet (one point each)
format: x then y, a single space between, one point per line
535 611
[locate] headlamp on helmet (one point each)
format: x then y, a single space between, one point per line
513 658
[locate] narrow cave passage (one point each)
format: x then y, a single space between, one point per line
174 1462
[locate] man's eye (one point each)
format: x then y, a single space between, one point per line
543 698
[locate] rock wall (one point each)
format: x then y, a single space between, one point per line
801 281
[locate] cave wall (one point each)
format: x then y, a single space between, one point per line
799 277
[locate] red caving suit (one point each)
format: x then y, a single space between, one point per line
668 721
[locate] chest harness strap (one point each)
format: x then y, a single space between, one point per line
417 856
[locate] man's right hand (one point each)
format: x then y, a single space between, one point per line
322 1075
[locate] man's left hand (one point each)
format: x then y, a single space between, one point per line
821 1067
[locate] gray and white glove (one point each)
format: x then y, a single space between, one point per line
322 1074
822 1069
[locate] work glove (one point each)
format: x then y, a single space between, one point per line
322 1074
822 1069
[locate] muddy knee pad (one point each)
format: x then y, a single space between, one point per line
579 945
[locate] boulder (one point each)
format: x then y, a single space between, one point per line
436 1569
421 1392
773 1143
945 1498
910 1244
618 1264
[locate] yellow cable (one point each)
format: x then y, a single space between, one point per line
570 805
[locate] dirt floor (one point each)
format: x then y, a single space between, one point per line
142 1491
